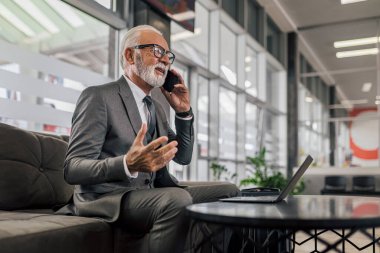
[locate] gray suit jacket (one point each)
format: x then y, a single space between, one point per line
104 126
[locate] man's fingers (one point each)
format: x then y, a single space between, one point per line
141 134
163 160
166 149
180 88
153 160
165 92
156 143
168 156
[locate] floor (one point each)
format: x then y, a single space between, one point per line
358 238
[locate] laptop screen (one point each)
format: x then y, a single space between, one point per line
293 181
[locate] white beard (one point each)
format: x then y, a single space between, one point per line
147 73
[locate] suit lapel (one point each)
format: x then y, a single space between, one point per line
129 104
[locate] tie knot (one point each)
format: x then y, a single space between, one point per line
148 100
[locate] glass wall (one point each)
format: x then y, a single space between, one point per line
252 124
227 124
228 55
234 9
231 92
274 136
313 128
202 140
203 117
272 87
194 46
49 52
251 72
274 40
253 22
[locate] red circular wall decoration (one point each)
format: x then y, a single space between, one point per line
364 134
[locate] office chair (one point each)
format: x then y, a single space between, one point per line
363 184
334 184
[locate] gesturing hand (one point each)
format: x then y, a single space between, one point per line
149 158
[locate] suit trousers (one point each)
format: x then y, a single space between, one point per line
155 218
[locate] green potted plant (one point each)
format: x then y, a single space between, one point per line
262 177
218 170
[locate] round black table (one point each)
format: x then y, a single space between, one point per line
299 213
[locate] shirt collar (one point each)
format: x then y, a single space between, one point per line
138 93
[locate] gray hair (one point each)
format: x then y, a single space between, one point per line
131 38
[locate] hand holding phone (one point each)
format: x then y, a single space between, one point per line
176 92
170 81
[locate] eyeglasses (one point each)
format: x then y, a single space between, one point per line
158 51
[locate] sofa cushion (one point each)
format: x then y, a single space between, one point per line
31 170
30 232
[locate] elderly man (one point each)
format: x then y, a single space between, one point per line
121 143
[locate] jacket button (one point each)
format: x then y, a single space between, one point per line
41 169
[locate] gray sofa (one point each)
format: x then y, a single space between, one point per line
31 188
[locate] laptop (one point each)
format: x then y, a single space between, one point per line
275 198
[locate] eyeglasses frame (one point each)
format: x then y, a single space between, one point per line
165 52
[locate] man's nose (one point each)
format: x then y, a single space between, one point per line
165 59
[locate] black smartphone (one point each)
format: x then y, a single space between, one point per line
170 81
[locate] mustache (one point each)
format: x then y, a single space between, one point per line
162 66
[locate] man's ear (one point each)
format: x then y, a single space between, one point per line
129 55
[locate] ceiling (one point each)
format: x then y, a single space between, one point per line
321 22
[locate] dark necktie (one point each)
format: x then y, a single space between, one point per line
152 115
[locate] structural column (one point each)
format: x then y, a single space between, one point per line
292 102
332 132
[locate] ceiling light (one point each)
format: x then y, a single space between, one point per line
15 21
38 15
348 104
361 52
308 99
366 87
351 1
356 42
247 84
247 69
377 102
354 102
66 13
248 59
340 106
377 97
